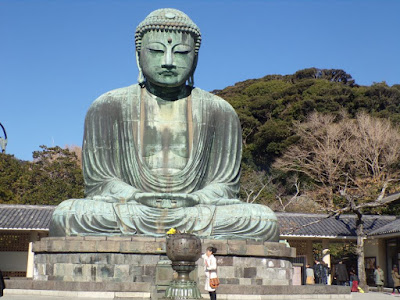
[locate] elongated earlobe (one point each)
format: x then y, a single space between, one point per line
190 81
141 78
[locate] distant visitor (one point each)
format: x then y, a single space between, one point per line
162 153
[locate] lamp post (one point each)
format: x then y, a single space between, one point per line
3 141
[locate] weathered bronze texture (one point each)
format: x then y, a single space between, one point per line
161 153
183 250
183 247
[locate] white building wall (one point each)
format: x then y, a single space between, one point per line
13 261
371 249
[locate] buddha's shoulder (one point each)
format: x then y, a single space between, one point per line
206 96
211 99
118 96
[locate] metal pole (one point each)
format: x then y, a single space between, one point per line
3 141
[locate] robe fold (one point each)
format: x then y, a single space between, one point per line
115 171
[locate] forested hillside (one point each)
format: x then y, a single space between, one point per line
277 113
269 109
268 106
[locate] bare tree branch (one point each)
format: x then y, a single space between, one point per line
293 198
352 161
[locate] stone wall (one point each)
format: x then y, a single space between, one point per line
143 260
96 267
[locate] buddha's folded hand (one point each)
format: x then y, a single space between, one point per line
167 200
220 201
111 199
116 192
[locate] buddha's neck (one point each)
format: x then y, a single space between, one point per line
168 93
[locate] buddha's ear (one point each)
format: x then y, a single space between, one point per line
196 58
141 79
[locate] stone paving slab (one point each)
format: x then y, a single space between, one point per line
45 294
15 294
353 296
26 284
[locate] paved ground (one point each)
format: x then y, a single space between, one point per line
355 296
374 296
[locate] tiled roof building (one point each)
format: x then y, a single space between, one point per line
37 217
25 217
20 225
392 228
320 225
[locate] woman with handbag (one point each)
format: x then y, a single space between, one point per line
210 268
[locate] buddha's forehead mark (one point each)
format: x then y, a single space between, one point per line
169 40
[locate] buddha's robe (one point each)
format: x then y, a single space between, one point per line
115 170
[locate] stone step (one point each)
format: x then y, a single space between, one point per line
283 290
224 289
78 286
78 294
37 294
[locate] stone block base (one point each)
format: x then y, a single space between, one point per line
140 264
143 260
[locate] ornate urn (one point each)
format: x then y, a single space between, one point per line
183 249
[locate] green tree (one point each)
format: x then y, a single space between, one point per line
11 170
54 175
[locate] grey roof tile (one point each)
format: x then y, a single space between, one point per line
392 227
291 224
25 216
299 224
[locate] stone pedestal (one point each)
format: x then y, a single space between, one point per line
126 261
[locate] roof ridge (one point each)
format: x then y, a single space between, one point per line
281 213
27 206
351 216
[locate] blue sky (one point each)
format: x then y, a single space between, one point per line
57 57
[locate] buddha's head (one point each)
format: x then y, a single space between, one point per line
167 46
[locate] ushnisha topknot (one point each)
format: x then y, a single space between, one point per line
167 19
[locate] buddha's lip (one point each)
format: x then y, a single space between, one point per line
167 73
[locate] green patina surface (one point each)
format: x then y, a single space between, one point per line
162 154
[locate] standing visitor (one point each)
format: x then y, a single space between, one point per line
341 273
310 278
325 272
379 278
354 281
396 279
2 285
210 269
318 272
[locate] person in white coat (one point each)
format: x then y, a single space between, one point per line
210 269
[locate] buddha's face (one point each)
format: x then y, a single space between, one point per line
167 58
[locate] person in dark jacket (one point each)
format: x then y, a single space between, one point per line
341 274
325 272
2 284
318 270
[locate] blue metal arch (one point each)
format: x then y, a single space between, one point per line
4 130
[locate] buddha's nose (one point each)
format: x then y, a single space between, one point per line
168 60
